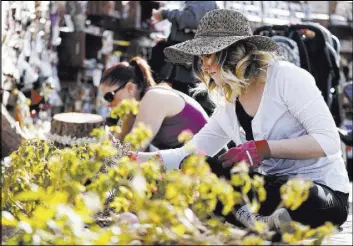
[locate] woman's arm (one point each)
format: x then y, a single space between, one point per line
183 18
305 102
153 109
300 148
190 15
209 140
126 126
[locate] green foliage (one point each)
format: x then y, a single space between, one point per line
124 108
47 199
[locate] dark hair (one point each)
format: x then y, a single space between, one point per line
136 71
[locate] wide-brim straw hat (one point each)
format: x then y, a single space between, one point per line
217 30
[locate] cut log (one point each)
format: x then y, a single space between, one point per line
77 125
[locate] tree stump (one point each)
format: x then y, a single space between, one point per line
75 125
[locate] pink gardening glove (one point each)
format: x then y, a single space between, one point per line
252 152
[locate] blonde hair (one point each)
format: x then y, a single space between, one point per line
241 64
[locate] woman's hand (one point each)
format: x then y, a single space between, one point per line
252 152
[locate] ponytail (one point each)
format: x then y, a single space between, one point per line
142 71
137 71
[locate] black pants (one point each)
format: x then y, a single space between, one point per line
323 203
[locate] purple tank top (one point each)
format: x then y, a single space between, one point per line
193 117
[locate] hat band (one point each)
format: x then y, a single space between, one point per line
218 32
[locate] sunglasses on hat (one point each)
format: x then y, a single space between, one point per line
109 96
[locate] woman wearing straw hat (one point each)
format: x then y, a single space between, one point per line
275 114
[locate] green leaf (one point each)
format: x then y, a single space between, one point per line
179 229
57 198
7 219
43 214
29 195
103 239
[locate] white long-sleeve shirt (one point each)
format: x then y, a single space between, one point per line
291 106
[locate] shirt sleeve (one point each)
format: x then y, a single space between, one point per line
306 103
184 18
209 140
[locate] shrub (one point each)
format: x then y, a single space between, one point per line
95 194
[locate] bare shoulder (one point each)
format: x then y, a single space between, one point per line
161 98
160 95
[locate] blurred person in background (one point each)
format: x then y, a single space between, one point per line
185 20
184 23
279 135
165 111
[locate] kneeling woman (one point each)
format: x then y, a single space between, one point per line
165 111
287 128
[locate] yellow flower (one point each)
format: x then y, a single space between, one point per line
258 181
258 186
261 192
301 232
138 136
247 186
255 206
126 192
185 136
115 129
7 219
289 238
179 229
195 165
295 192
261 227
171 191
326 230
124 108
253 240
240 167
236 180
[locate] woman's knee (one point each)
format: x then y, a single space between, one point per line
321 206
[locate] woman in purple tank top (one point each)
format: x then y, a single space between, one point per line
165 111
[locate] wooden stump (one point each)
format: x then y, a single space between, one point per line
77 125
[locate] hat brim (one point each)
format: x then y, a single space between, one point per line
184 52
